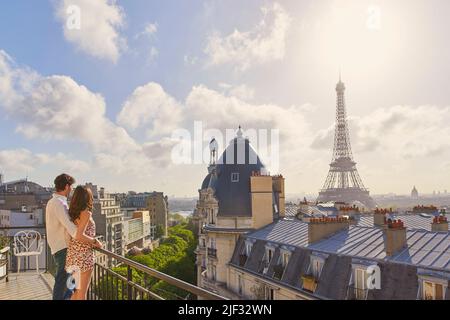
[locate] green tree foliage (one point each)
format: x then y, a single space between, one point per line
4 241
175 256
177 217
159 232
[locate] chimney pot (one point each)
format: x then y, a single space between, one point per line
395 237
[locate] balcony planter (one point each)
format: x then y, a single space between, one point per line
309 283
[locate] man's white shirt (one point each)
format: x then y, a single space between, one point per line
58 224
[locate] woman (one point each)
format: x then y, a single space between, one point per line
80 255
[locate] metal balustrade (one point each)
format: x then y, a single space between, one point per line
111 283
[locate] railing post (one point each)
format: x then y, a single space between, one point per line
129 279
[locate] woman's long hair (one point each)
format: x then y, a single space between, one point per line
82 199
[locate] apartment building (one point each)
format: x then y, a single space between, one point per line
139 230
156 203
108 219
250 249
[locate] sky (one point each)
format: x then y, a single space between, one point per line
101 89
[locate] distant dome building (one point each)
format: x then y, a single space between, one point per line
414 193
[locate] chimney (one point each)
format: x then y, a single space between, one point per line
321 228
261 196
278 187
440 223
379 217
395 236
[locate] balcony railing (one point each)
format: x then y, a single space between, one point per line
263 266
128 280
278 271
108 284
4 261
354 293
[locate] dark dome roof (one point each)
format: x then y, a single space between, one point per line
205 182
234 197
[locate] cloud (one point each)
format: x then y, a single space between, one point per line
400 131
153 54
100 22
150 105
24 161
160 151
150 30
266 42
57 108
241 91
152 108
189 60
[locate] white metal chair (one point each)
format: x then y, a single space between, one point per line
28 244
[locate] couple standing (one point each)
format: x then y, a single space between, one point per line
71 237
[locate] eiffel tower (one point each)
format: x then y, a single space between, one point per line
343 183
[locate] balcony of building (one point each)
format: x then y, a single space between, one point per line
217 287
355 293
128 280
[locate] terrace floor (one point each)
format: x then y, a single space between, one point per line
27 286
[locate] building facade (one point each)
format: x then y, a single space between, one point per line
249 249
156 203
236 196
108 219
139 230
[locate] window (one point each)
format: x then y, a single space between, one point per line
285 258
203 262
240 284
360 282
235 177
432 290
213 273
269 255
316 266
269 293
248 248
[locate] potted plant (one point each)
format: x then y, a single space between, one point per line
309 282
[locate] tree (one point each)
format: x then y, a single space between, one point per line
159 232
175 256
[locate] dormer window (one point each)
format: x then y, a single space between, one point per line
280 267
285 256
433 291
432 286
248 248
269 254
235 177
316 266
311 278
360 284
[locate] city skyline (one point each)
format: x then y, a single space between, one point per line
106 113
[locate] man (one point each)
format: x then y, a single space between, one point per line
59 230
